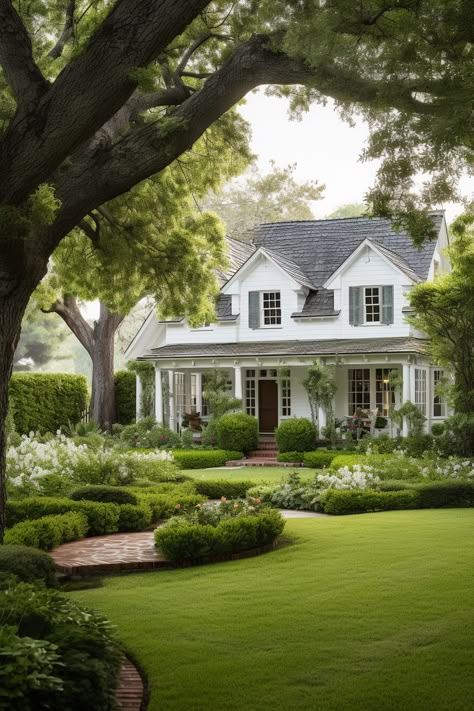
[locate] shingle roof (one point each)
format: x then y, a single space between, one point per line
288 348
237 254
290 267
319 247
401 263
318 303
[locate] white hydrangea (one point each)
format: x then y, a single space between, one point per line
357 477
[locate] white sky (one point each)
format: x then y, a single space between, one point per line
324 148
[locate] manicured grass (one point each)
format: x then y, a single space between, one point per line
257 474
362 613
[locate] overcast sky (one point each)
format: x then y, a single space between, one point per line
324 148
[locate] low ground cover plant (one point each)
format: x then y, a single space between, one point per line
320 458
218 531
291 457
55 653
292 494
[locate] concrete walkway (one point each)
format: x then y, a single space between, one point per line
121 552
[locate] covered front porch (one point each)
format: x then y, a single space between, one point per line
271 386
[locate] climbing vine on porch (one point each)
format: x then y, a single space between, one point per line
146 373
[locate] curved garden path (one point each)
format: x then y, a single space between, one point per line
121 552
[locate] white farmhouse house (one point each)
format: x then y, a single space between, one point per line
329 290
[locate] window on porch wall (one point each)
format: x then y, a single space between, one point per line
250 392
384 392
285 397
358 389
420 389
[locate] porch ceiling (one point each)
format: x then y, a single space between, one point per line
288 348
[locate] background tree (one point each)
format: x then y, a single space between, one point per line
273 197
40 344
96 97
444 310
350 209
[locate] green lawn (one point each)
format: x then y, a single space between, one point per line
361 613
256 474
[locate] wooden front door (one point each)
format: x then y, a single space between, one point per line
267 405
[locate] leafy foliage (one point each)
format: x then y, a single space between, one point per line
49 531
237 431
319 459
296 435
320 385
124 381
27 564
204 458
106 494
44 402
217 488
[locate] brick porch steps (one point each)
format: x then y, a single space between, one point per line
130 692
263 453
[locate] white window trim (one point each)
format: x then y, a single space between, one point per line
373 323
433 395
262 311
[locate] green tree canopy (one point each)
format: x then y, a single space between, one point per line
273 197
350 209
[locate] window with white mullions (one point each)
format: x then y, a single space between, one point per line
372 304
285 397
384 391
358 389
250 392
420 389
271 308
439 403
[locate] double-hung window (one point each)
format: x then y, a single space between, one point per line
372 304
439 402
420 389
358 389
271 308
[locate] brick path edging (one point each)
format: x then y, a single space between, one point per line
130 694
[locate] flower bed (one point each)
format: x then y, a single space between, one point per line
217 532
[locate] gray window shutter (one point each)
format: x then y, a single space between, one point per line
387 304
254 309
355 306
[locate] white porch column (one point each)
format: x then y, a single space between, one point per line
406 393
172 403
322 418
158 396
238 382
138 396
198 377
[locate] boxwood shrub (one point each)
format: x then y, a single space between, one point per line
296 435
186 542
204 458
27 564
216 488
319 458
439 494
292 457
166 505
102 518
105 494
44 402
49 531
237 431
134 518
352 501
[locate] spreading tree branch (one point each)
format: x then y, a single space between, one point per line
16 57
67 31
72 317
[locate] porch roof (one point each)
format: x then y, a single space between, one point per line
287 348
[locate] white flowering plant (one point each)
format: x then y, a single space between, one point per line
355 477
56 465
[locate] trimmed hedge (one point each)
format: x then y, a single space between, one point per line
291 457
49 531
204 458
27 564
319 459
296 435
165 505
44 402
125 389
216 488
187 542
438 494
348 460
101 518
134 518
351 501
237 431
105 494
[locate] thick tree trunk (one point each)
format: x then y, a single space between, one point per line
20 273
103 393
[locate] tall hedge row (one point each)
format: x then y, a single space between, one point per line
43 402
124 381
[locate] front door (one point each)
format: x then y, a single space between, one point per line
267 405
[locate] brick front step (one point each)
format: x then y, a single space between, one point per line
261 462
262 453
130 692
267 444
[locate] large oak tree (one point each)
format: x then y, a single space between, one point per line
96 97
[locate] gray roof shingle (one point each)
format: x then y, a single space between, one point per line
318 303
319 247
288 348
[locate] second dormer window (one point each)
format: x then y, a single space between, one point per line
271 308
372 304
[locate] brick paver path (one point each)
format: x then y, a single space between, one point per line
120 552
130 692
